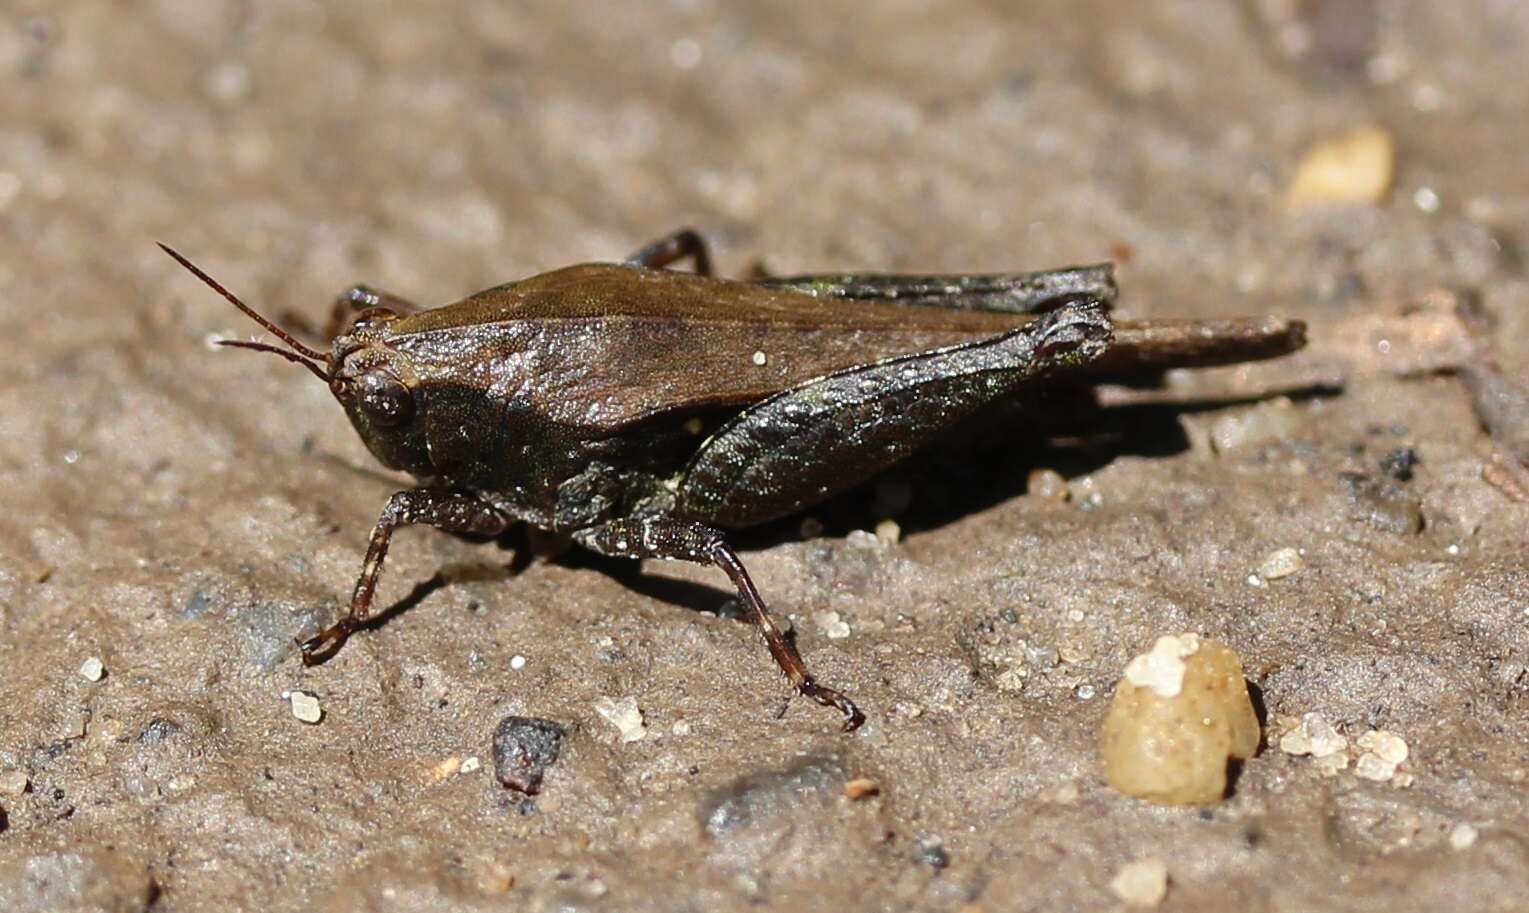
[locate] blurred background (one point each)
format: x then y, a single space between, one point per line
1356 163
444 148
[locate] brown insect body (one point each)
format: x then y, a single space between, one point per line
574 400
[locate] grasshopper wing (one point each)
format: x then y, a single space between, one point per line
605 346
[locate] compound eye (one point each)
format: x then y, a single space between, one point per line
385 399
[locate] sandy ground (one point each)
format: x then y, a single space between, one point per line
180 513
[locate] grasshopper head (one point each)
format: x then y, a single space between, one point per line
377 384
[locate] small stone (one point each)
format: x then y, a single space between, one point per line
1012 679
1163 668
1141 883
624 715
471 765
760 359
305 706
1047 484
1372 767
864 540
1399 463
1073 652
1354 167
1331 765
107 730
517 662
834 627
524 747
444 769
1315 736
1382 752
1281 563
200 602
681 728
13 783
1388 746
1179 714
158 730
1042 656
861 787
931 852
1463 836
889 532
92 669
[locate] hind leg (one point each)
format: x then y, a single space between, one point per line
657 537
798 448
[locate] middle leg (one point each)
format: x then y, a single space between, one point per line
656 537
360 298
672 248
353 300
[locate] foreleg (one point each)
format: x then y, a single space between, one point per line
451 511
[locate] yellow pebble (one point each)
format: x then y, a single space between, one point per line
1180 714
1354 167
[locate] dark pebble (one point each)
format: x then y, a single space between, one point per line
158 730
1398 463
524 747
52 751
